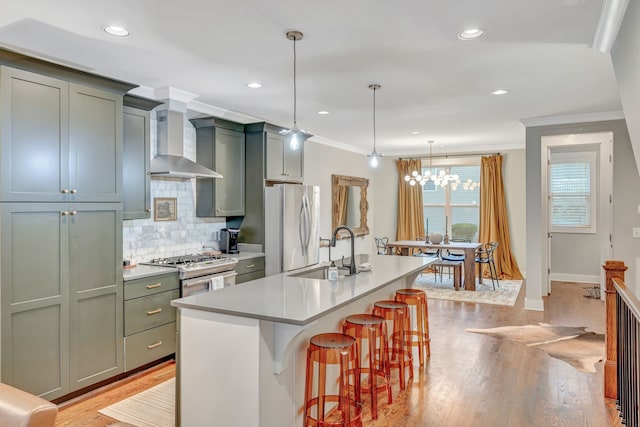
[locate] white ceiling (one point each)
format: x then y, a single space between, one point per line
431 82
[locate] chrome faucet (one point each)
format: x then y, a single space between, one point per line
352 265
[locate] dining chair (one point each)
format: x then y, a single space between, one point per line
429 253
484 255
453 254
381 244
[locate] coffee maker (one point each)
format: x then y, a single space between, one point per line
229 240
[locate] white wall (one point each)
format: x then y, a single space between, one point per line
625 57
322 161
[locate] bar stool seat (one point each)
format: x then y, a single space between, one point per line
333 349
399 356
417 334
376 365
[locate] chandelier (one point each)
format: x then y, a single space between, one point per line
432 180
374 155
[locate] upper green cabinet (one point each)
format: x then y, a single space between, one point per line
136 182
220 145
59 140
267 150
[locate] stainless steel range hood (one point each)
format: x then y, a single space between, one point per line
170 161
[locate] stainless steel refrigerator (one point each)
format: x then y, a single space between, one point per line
292 239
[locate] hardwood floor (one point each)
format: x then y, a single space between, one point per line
469 380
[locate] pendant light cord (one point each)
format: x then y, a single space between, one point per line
295 39
374 119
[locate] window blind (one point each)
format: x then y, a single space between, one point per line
571 191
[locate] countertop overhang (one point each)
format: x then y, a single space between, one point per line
299 301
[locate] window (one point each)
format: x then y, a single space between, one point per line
455 204
572 193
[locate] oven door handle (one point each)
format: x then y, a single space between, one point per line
207 279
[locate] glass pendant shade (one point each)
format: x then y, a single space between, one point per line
295 137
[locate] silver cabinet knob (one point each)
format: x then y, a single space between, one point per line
74 191
73 213
64 213
65 191
148 210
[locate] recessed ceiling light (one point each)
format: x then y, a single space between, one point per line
470 34
323 112
415 132
573 2
254 85
499 92
115 30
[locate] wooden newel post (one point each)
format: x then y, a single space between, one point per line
613 269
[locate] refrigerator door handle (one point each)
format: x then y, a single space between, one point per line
302 227
308 225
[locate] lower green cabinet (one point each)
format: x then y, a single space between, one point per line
149 319
250 269
61 295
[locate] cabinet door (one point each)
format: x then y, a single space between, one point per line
95 145
96 294
275 157
34 158
34 298
283 163
293 163
229 161
136 193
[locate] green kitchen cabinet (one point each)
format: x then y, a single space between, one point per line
136 181
249 269
149 319
220 145
267 147
60 141
61 295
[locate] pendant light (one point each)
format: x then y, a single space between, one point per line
374 155
430 180
295 135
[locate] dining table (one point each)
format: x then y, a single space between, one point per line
406 247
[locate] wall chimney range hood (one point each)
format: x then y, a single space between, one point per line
170 161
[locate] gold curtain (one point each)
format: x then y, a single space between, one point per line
410 209
494 225
342 194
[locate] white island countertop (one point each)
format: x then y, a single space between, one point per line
300 301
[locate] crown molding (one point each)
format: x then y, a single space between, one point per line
610 21
574 118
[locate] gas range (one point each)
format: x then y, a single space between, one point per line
195 265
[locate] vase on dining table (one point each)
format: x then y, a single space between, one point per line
435 238
446 239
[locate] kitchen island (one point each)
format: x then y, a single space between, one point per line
242 349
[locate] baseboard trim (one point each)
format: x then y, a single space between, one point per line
533 304
580 278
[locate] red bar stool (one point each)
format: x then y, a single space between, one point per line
376 365
418 334
333 349
399 357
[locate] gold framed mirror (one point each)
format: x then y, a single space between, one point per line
349 204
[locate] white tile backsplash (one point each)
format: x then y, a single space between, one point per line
145 239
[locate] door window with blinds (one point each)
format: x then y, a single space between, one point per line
572 192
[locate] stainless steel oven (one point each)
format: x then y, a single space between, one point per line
199 285
202 272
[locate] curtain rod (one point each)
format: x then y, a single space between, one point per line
446 156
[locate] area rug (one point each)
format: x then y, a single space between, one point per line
154 407
505 294
576 346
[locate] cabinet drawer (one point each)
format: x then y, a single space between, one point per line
250 265
147 346
241 278
148 312
150 285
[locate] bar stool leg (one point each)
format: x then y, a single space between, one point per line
344 388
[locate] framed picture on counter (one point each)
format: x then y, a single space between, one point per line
165 209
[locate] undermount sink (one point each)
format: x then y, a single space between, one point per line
316 273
